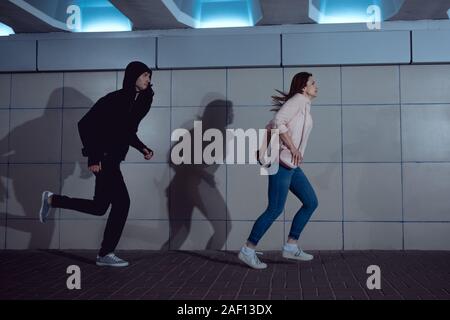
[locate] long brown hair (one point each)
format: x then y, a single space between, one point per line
298 83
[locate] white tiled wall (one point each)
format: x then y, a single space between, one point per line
31 234
35 135
320 235
144 235
86 234
373 235
370 85
426 133
426 236
3 203
3 191
25 185
5 90
192 197
240 230
378 158
326 123
249 87
378 124
37 90
425 84
252 203
425 191
3 234
147 184
4 137
81 89
197 87
198 235
372 191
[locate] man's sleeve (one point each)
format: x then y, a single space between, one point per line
90 132
135 142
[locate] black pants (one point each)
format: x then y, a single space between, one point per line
110 189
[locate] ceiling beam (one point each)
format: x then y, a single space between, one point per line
284 12
147 15
23 20
422 10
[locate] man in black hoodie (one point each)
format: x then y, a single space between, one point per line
107 131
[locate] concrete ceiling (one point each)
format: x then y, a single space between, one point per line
152 14
21 20
423 10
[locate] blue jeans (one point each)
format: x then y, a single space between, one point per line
279 185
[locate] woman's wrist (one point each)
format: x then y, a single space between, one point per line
292 148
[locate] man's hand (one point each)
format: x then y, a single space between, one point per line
95 168
148 154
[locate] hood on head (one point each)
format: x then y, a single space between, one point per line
133 71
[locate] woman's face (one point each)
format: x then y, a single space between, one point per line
311 88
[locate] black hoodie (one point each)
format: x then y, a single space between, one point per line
110 126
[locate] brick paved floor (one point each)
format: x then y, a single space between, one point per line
217 275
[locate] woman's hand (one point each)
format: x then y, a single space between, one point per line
297 157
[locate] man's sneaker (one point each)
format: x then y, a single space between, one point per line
111 260
252 260
297 255
45 206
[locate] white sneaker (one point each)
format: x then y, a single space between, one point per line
252 260
297 255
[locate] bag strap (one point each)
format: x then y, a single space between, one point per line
303 131
264 147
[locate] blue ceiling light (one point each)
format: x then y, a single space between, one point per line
448 13
351 11
215 13
101 16
5 30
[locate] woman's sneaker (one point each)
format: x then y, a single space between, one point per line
297 255
252 260
111 260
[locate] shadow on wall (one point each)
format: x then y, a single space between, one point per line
194 186
28 180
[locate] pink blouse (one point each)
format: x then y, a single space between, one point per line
295 118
